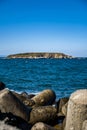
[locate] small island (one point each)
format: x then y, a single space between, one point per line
40 55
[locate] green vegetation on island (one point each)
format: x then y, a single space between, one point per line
40 55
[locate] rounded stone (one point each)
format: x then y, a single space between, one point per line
77 110
42 126
46 97
46 114
80 97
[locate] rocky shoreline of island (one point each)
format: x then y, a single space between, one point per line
40 55
42 111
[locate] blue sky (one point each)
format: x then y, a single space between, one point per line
43 26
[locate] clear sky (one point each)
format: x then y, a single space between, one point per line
43 26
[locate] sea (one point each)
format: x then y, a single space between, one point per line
64 76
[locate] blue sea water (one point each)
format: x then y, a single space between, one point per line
64 76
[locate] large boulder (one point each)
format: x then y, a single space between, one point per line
77 110
46 97
10 103
46 114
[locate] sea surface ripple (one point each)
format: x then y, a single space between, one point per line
64 76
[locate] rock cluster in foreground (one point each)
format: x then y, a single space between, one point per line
40 55
42 111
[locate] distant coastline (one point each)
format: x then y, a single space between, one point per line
36 55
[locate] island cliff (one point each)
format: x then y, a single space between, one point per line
40 55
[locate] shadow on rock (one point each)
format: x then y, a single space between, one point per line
13 120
